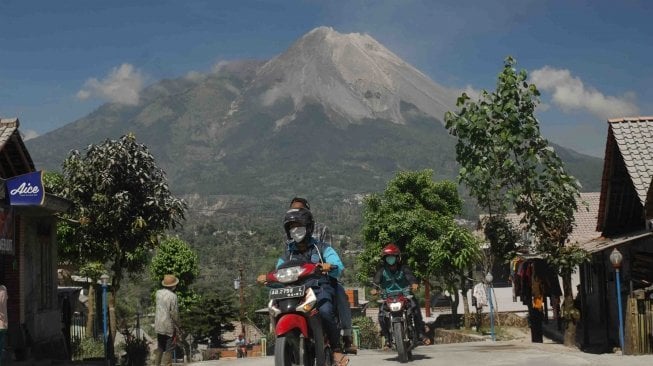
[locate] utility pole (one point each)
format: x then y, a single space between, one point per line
238 285
242 310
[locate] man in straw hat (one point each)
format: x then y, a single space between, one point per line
166 320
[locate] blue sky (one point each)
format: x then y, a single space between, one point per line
60 60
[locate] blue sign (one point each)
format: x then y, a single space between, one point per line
26 189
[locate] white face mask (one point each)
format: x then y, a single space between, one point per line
298 233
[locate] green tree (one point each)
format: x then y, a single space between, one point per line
502 236
122 203
53 182
210 316
454 256
417 214
506 163
175 256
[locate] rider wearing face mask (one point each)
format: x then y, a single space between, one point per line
298 224
321 233
394 276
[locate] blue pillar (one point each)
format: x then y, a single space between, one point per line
105 282
621 317
489 298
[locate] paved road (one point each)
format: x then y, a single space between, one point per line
474 353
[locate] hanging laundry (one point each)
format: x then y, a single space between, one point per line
480 293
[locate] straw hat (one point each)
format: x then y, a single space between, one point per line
169 280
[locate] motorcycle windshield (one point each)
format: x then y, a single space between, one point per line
394 292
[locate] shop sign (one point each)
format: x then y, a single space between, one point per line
26 189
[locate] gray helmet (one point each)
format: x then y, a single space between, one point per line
301 216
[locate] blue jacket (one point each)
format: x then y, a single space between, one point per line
317 252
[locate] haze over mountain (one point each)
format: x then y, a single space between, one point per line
334 116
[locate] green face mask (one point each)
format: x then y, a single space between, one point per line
391 260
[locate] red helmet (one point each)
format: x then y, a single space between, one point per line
391 249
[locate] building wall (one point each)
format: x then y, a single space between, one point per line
11 273
601 315
41 314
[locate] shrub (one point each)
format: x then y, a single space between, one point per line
87 347
137 349
369 332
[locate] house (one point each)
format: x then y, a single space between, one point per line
624 220
583 231
28 252
506 294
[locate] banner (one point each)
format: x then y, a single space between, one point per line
26 189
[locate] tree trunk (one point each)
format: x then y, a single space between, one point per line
495 305
90 304
115 286
454 309
567 306
427 298
467 315
112 315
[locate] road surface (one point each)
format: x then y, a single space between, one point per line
473 354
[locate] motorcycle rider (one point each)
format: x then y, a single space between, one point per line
298 224
241 346
321 233
395 276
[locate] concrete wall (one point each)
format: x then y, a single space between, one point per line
41 317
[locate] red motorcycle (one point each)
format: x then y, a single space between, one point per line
397 308
301 339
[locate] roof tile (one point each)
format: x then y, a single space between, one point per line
634 137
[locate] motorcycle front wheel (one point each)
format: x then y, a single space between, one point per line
289 350
400 344
320 350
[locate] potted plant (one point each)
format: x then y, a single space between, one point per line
136 349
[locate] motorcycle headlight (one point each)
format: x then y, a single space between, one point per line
395 306
290 274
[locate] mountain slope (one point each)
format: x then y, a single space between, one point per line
332 117
352 74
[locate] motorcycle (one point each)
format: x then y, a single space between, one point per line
397 308
301 339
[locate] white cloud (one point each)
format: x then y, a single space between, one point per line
569 93
218 66
475 94
122 85
29 134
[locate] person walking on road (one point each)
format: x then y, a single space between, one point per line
166 320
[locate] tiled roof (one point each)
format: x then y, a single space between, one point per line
7 127
16 159
649 202
584 218
634 137
602 243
